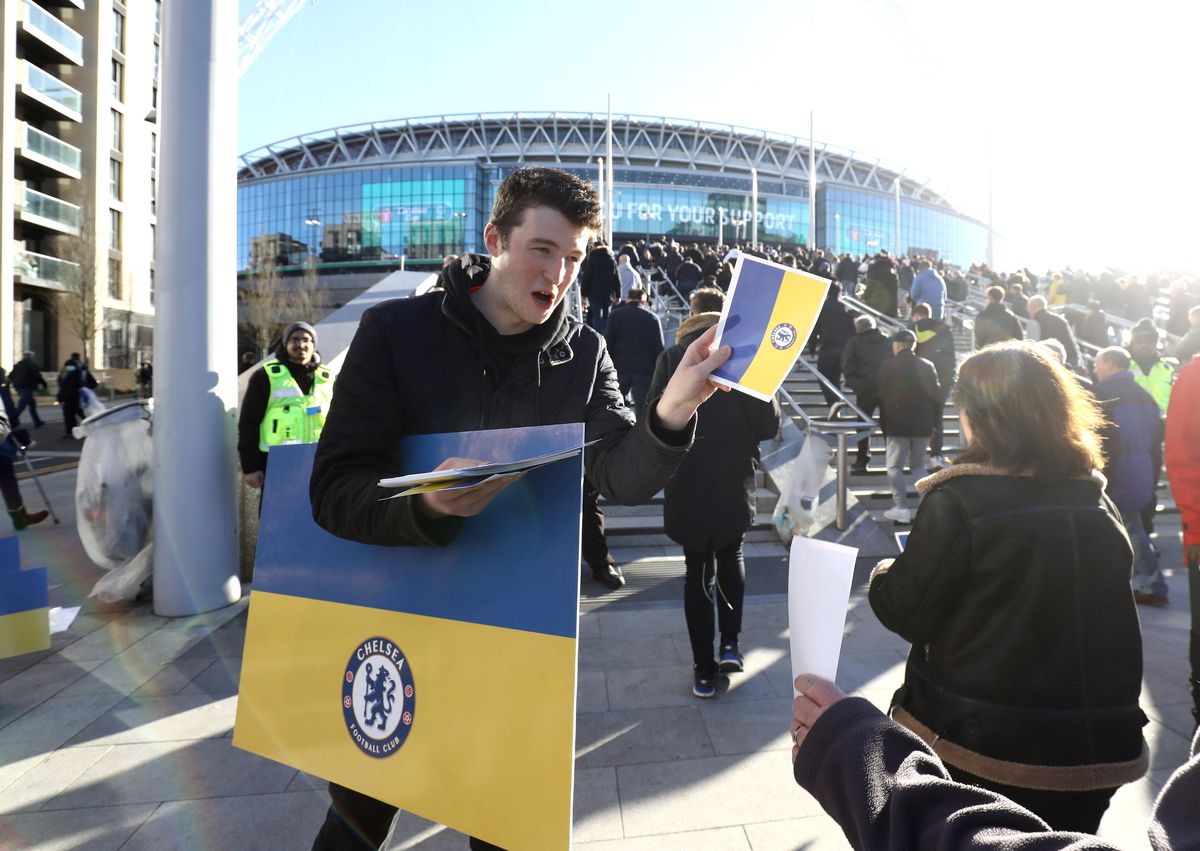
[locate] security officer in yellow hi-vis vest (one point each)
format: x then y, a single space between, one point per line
286 401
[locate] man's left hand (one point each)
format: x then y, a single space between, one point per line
691 386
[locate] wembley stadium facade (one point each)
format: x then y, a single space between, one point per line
364 196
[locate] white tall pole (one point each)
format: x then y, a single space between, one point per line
812 184
896 183
754 208
604 228
195 339
991 238
612 216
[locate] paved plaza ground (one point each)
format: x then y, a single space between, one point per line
119 736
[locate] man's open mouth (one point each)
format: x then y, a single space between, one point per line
543 298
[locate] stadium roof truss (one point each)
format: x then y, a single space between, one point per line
575 140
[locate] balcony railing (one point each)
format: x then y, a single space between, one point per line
53 30
51 209
47 147
33 268
54 89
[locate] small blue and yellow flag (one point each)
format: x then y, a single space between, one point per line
24 604
440 680
769 313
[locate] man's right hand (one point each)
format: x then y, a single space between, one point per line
254 480
462 502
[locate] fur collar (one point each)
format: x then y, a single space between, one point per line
954 471
699 322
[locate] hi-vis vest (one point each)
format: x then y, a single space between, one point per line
1156 382
291 416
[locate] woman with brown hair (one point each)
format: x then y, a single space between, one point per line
1026 664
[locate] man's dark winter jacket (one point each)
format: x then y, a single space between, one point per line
26 375
598 281
1134 426
254 407
935 343
710 500
434 364
910 398
688 276
1053 326
1026 659
634 339
881 292
847 272
862 357
887 789
834 328
996 323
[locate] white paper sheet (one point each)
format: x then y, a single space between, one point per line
819 578
61 618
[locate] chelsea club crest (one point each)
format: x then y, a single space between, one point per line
378 697
783 335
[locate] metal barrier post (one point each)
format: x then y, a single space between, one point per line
841 481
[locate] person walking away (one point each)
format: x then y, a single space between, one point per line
1189 346
862 357
910 401
996 323
72 380
935 343
1013 590
882 290
9 489
628 276
599 284
928 287
834 329
710 503
635 339
1182 453
286 401
26 379
1129 437
145 380
1052 326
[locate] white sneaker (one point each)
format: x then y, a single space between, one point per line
898 515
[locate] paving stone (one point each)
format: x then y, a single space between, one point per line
626 651
640 735
96 828
641 622
645 688
278 822
173 771
720 791
40 681
48 778
591 692
723 839
220 679
818 833
112 638
597 807
28 741
589 625
173 677
161 718
740 728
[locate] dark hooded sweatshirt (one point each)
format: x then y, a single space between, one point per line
434 364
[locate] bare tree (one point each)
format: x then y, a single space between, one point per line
304 300
80 304
262 307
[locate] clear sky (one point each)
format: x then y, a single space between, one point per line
1084 110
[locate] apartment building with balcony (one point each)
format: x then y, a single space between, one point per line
78 180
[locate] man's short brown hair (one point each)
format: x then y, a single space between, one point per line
707 300
995 294
528 187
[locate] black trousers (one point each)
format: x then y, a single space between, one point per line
714 577
593 545
869 403
1078 811
635 386
357 822
829 364
72 414
1193 571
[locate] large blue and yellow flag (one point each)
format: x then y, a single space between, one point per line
24 603
769 313
440 680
